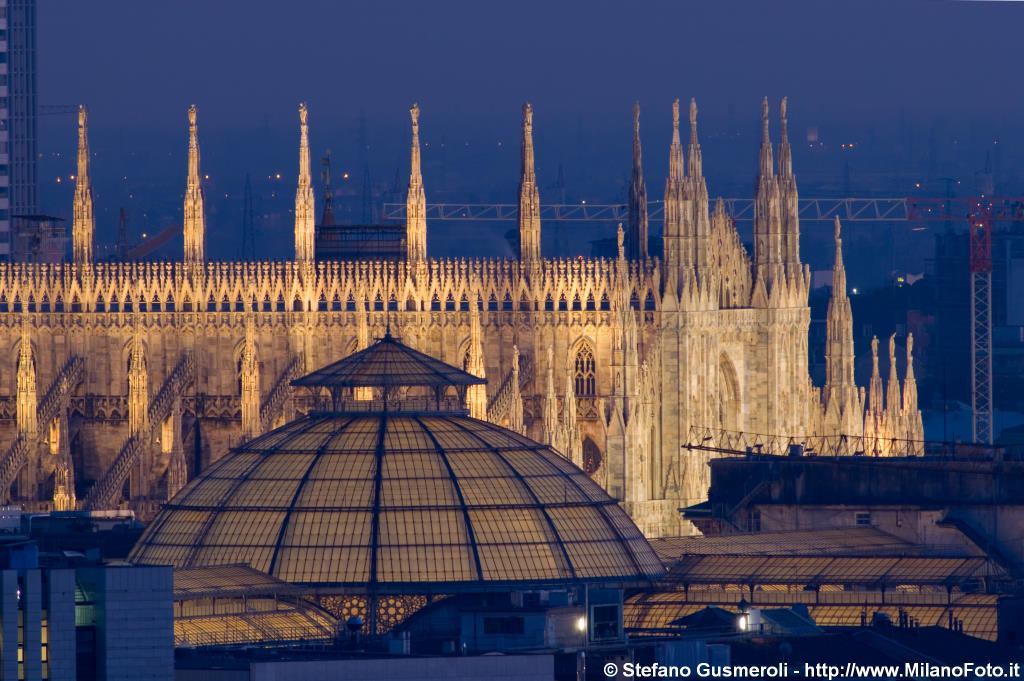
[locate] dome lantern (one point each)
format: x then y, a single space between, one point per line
404 378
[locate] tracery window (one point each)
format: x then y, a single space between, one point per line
591 456
586 372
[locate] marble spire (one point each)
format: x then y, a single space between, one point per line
515 410
476 395
416 201
27 398
893 397
529 198
138 387
249 377
194 226
637 241
84 222
840 387
305 210
768 257
672 231
788 197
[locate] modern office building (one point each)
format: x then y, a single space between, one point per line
17 115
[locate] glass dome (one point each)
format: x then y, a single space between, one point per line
403 501
382 497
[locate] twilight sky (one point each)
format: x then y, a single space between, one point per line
250 62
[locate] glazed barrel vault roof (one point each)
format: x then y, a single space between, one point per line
400 501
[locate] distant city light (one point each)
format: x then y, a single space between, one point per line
344 177
278 176
854 291
581 624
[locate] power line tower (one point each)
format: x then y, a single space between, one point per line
981 321
248 223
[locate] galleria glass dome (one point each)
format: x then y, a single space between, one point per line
399 494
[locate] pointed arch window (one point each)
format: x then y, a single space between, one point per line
449 303
590 302
586 371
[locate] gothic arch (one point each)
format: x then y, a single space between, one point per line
584 363
730 406
592 456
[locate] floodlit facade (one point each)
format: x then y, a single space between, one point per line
142 374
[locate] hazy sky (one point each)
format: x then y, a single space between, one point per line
249 62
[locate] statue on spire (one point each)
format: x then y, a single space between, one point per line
84 222
416 199
529 197
305 221
637 241
194 226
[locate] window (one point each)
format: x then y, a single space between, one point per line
863 518
586 380
753 521
591 456
605 622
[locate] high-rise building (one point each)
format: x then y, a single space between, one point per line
17 115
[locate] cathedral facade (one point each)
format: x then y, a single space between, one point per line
125 379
